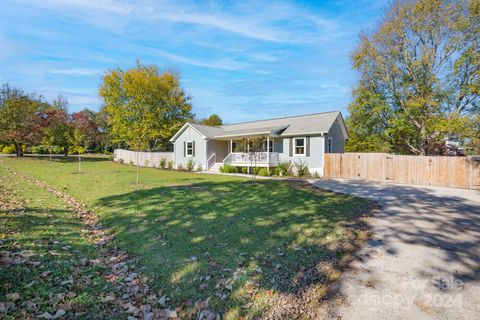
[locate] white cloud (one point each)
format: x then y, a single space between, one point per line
77 71
276 22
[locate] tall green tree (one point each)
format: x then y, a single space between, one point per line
212 120
419 77
145 107
20 118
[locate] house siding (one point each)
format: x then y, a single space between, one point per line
190 134
314 161
338 139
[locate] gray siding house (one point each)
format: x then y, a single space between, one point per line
303 138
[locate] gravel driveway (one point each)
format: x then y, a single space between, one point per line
423 261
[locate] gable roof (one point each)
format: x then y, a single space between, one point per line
317 123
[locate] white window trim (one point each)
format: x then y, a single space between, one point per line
186 146
329 145
295 146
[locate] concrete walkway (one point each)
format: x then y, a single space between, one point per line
423 261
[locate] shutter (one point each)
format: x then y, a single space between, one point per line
291 147
184 148
307 146
193 148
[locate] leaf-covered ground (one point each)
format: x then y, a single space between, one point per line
268 249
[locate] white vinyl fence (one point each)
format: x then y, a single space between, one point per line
145 159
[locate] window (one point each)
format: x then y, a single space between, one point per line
189 148
299 146
329 145
270 145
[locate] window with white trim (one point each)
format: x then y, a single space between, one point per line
189 148
299 146
329 145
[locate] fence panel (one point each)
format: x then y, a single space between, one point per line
145 159
459 172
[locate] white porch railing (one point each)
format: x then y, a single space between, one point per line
261 158
211 161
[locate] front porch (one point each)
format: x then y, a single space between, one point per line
238 152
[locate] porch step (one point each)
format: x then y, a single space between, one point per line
216 167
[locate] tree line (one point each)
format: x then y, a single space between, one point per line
142 109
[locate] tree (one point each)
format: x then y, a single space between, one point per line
20 118
84 122
145 107
58 130
213 120
254 148
419 77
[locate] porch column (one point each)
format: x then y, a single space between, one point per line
231 145
268 154
248 144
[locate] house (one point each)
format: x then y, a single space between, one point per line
298 138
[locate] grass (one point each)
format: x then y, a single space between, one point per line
224 239
49 249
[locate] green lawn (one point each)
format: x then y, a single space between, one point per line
236 243
42 250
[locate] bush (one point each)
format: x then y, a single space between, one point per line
163 163
263 172
276 171
199 167
40 149
316 175
190 165
170 165
244 170
301 168
121 161
255 170
8 149
228 169
286 168
180 167
145 163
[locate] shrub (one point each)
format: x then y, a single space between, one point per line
228 169
180 167
163 163
301 168
244 170
145 163
277 171
255 170
263 172
170 165
286 168
8 149
131 162
316 175
190 165
40 149
121 161
199 167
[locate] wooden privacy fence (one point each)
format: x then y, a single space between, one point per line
458 172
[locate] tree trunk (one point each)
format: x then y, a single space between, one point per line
65 151
18 149
137 166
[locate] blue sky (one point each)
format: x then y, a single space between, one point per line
245 60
